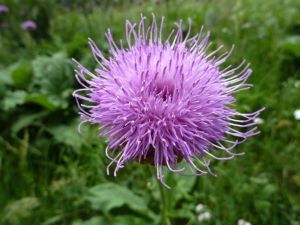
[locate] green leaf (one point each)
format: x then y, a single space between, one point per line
181 213
78 43
96 220
130 220
5 77
6 74
68 134
53 75
22 75
180 186
262 204
259 180
52 220
26 120
291 44
108 196
50 102
12 99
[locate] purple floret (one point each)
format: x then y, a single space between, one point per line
29 25
168 100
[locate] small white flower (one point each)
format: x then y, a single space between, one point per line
297 84
207 215
243 222
258 120
204 216
199 208
297 114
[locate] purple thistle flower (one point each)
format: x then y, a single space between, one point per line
4 9
162 102
29 25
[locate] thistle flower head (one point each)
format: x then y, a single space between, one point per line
29 25
4 9
164 101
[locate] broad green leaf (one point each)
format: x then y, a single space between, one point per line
262 204
181 213
53 74
50 102
130 220
5 77
291 44
26 120
12 99
108 196
269 190
22 75
96 220
68 134
259 180
52 220
6 74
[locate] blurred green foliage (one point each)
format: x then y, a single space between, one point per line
52 174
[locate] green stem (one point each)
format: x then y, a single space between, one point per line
164 202
164 206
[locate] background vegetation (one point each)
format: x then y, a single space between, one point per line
50 174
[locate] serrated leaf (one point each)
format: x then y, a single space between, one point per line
108 196
53 74
12 99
